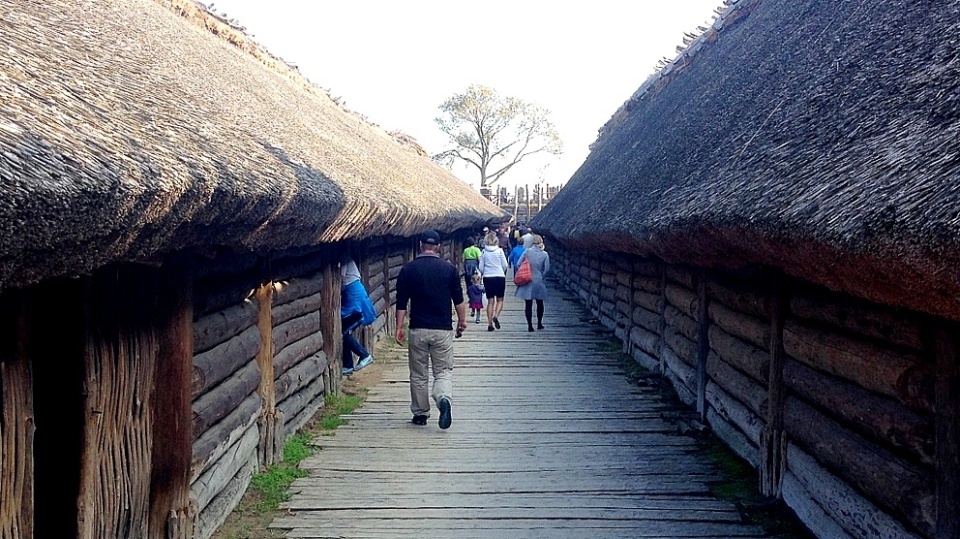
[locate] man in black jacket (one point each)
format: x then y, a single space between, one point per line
430 285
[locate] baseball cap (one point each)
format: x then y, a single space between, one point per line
430 237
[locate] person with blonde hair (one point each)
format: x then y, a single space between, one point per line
536 289
493 268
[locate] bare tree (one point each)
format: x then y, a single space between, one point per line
494 132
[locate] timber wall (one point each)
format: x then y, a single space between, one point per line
831 398
250 320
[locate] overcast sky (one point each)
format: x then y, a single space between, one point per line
395 62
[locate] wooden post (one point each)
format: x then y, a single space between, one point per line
390 324
526 195
663 318
703 343
773 443
16 421
330 325
516 199
270 449
171 512
948 431
120 355
367 336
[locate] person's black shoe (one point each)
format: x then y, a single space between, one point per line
496 322
530 328
489 328
539 326
445 419
419 420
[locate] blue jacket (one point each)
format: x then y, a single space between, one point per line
354 298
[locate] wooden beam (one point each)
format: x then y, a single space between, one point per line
171 512
120 356
16 421
270 449
773 440
330 321
948 431
703 344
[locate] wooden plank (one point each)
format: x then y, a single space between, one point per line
532 451
948 432
17 424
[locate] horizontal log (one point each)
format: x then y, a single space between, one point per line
735 412
882 419
216 512
896 326
647 284
745 357
747 328
688 327
375 266
213 366
744 297
901 488
686 396
217 403
294 330
682 298
624 278
301 287
647 319
294 268
301 406
647 341
395 261
682 275
624 293
608 293
841 503
647 267
647 300
895 373
220 326
741 386
684 348
609 265
809 511
223 265
683 371
298 307
296 352
215 479
374 281
393 273
211 444
218 293
647 361
736 440
299 376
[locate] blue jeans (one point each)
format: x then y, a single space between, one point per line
351 345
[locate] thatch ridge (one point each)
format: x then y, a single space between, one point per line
127 132
816 137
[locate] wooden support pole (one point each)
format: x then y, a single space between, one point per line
120 356
16 421
330 325
270 449
773 439
663 318
171 512
948 431
389 322
703 344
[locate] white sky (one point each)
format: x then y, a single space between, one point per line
396 61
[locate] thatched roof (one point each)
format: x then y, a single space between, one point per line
819 137
133 128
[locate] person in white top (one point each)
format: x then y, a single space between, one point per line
493 268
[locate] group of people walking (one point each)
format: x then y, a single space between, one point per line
486 274
427 286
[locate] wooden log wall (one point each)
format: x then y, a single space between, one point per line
833 399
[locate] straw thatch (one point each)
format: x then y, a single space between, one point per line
131 128
816 136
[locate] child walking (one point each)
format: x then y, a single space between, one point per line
475 293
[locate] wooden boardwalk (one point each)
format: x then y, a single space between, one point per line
549 440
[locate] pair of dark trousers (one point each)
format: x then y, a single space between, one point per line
351 345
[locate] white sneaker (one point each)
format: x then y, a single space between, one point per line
363 363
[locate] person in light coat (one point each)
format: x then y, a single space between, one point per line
493 268
535 290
